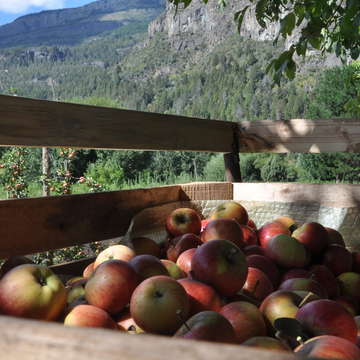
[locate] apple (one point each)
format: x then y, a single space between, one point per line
324 276
13 262
338 259
182 221
114 252
257 284
221 264
159 305
288 222
89 269
223 229
269 230
246 319
145 246
328 347
327 317
356 261
349 283
266 343
266 265
75 289
249 235
90 316
350 304
287 252
147 265
174 270
202 297
253 250
180 243
313 235
111 286
295 273
334 237
184 261
304 284
32 291
207 326
230 210
252 224
125 321
204 222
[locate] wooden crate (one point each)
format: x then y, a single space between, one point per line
34 225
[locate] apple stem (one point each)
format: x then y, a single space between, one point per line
305 299
179 314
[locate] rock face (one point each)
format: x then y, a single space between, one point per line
68 25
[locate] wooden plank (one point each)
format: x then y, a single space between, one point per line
34 340
301 135
29 122
207 191
75 267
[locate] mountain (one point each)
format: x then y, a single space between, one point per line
70 26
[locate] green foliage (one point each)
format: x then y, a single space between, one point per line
215 168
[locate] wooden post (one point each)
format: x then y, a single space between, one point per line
232 160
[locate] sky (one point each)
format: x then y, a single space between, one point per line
12 9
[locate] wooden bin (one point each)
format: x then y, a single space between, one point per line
34 225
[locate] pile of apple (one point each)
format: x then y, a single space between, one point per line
281 287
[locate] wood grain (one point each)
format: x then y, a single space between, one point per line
33 340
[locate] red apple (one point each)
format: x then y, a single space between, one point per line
253 250
288 222
266 343
328 347
182 221
221 264
207 326
184 261
204 222
126 322
145 246
90 316
180 243
147 265
114 252
249 235
295 273
338 259
111 286
159 305
257 284
252 224
266 265
246 319
327 317
324 276
89 269
174 271
32 291
350 304
223 229
202 297
230 210
304 284
334 237
269 230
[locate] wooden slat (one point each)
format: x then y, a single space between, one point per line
30 122
301 135
34 340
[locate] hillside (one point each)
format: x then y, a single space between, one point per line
70 26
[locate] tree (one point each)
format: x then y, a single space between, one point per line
326 25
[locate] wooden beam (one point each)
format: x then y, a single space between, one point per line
34 340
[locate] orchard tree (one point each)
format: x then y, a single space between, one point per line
331 26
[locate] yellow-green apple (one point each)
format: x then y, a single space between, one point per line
349 283
327 317
338 259
221 264
111 285
148 265
313 235
159 305
304 284
180 243
328 347
295 273
253 250
90 316
257 284
13 262
114 252
125 321
75 289
266 343
266 265
269 230
145 246
223 229
182 221
246 319
32 291
207 326
334 237
185 259
230 210
174 271
249 235
89 269
287 252
202 297
324 276
288 222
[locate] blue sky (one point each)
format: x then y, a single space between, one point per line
12 9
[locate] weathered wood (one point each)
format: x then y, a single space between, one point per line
301 135
34 340
232 167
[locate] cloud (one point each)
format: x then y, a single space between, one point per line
20 6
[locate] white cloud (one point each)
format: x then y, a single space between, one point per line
19 6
